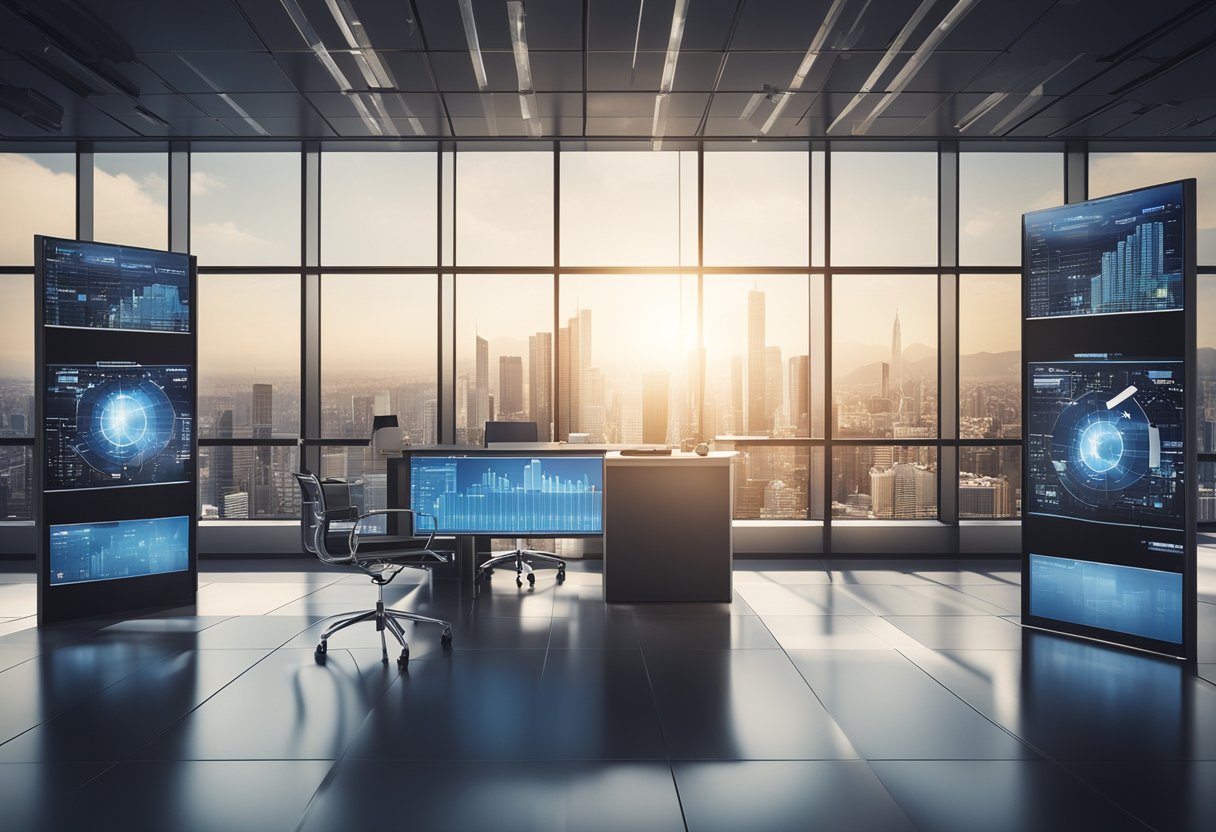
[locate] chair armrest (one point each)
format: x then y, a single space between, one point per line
353 540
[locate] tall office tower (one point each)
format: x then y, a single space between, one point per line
979 404
540 383
910 499
595 410
628 405
738 426
261 491
886 381
511 386
221 461
430 422
5 491
17 423
882 456
757 366
584 357
462 409
571 377
656 390
482 378
983 497
800 394
691 417
235 506
882 492
774 388
383 405
562 427
263 411
362 409
897 356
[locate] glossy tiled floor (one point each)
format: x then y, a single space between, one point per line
832 695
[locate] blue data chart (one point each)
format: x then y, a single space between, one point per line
1123 253
118 424
1107 596
544 496
98 286
82 552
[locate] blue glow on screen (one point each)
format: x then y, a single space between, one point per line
1125 599
107 551
509 495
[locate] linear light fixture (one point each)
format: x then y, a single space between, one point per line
662 101
225 97
884 63
980 110
1032 98
523 67
916 63
808 62
374 72
470 36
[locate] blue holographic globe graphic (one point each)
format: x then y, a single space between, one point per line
122 423
1101 447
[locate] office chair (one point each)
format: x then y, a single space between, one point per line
330 530
520 557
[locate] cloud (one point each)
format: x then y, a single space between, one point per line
238 245
128 211
45 203
203 183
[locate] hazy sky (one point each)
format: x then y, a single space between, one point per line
756 209
884 209
379 325
989 313
16 326
46 185
504 209
379 208
503 309
995 189
245 208
863 315
131 199
249 326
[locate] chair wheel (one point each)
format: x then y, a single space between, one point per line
322 648
518 582
446 639
561 575
404 659
319 653
531 579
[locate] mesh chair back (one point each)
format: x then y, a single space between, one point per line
312 513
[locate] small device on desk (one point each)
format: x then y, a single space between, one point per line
646 452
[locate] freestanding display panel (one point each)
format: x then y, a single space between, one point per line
116 447
1109 487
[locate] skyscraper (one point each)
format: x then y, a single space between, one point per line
774 388
260 497
757 363
511 386
221 461
897 356
263 411
738 426
655 396
479 394
540 382
800 394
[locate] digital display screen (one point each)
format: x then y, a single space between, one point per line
1122 253
117 425
1105 441
1125 599
105 551
100 286
547 496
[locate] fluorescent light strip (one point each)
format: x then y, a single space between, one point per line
375 73
808 62
314 42
470 36
663 100
916 62
1032 98
980 110
227 99
892 52
523 67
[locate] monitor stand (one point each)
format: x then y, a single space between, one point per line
521 558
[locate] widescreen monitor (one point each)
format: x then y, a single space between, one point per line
117 424
554 495
1105 441
105 551
1126 599
100 286
1117 254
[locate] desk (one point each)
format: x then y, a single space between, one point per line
667 527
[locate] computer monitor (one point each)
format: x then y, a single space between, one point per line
511 432
530 495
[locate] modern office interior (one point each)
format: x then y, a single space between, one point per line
607 415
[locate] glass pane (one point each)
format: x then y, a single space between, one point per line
626 358
626 209
367 471
884 483
504 208
884 209
249 356
819 210
16 355
16 471
990 483
1205 342
990 355
884 356
131 199
243 483
47 185
757 357
379 342
995 189
504 353
1110 173
379 209
757 209
245 209
776 483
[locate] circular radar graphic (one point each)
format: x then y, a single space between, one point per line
122 424
1099 451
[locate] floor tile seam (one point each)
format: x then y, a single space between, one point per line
170 655
810 687
301 597
654 701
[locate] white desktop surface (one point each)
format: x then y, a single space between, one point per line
675 458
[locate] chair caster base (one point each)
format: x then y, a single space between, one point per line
320 652
403 660
446 640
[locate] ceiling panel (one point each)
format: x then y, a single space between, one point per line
613 24
176 25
